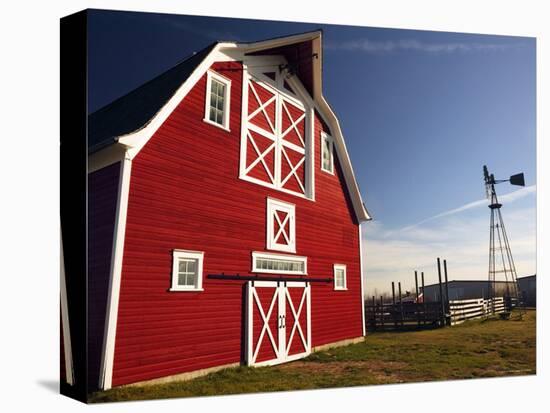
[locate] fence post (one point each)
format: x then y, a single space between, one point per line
424 297
400 304
393 306
382 312
374 311
441 292
417 304
448 310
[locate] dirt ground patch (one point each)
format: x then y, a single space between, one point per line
385 371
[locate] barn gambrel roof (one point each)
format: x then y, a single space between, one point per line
132 119
135 109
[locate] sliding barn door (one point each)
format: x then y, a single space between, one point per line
278 322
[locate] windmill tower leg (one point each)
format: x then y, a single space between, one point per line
515 295
492 265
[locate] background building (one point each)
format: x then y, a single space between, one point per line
466 289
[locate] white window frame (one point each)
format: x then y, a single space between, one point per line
273 256
330 140
195 255
340 267
226 100
274 205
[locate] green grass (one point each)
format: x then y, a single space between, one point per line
478 348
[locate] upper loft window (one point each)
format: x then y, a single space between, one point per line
218 95
327 153
276 144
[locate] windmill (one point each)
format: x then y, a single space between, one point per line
500 253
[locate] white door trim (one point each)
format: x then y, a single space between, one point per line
265 319
305 338
253 299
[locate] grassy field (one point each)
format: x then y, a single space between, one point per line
478 348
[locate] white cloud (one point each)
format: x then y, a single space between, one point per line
373 46
508 198
520 193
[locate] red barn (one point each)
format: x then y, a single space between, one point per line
223 218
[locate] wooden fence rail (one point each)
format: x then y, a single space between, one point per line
400 316
402 313
410 315
462 310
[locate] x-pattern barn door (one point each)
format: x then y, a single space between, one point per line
278 322
273 137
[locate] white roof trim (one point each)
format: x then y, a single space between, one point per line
280 41
340 144
345 161
135 141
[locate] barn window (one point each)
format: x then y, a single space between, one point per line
278 263
218 90
276 148
281 226
187 270
340 282
327 156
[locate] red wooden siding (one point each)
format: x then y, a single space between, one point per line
334 239
185 194
102 202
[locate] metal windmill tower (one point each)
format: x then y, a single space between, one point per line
500 253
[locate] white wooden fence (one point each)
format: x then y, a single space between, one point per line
462 310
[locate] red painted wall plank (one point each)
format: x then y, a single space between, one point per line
102 202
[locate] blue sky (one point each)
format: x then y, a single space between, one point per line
421 112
